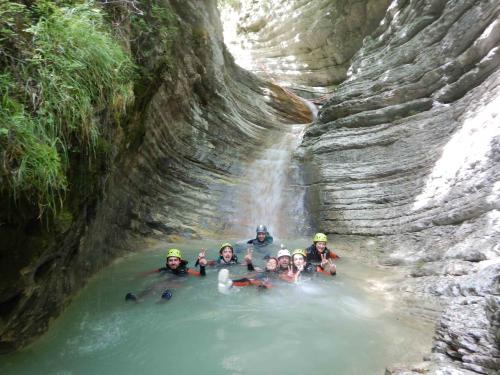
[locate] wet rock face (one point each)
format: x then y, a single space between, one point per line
301 43
406 152
184 148
410 141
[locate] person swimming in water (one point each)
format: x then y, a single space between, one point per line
257 277
262 239
227 257
301 265
284 258
317 251
175 265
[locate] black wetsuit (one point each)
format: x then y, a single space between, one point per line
182 270
222 262
313 255
308 268
256 243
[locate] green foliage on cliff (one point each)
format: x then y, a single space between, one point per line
154 31
61 73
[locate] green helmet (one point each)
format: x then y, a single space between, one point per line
174 253
226 244
320 237
299 251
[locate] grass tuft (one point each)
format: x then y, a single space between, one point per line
61 75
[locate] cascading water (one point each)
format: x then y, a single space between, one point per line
270 193
320 324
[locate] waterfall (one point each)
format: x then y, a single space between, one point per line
271 192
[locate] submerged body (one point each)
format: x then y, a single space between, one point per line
248 332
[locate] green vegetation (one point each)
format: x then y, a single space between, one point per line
154 31
61 73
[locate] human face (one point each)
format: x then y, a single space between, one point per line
284 261
271 265
298 260
227 254
173 263
320 246
261 236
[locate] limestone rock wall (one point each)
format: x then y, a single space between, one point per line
302 44
174 175
405 154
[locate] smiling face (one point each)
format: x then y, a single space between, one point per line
227 254
173 263
298 260
320 246
261 236
284 261
271 264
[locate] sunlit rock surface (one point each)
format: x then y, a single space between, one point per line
403 160
406 154
304 44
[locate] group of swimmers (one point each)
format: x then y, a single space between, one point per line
286 266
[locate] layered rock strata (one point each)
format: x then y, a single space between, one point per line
405 153
180 157
307 45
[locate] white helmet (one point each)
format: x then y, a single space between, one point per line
283 253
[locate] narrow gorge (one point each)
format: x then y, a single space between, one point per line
400 168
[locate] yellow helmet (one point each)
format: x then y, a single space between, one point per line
299 251
226 244
320 237
174 253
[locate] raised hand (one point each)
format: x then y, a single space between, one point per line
201 258
332 267
290 271
297 275
249 256
324 261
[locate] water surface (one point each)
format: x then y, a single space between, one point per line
318 326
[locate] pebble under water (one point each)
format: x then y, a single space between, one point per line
318 326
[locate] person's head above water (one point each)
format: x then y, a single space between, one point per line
226 252
320 240
283 258
261 233
272 264
298 258
174 258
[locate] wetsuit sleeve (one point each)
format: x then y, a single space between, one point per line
332 255
321 270
250 267
192 272
249 282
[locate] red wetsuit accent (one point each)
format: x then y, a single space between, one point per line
251 282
